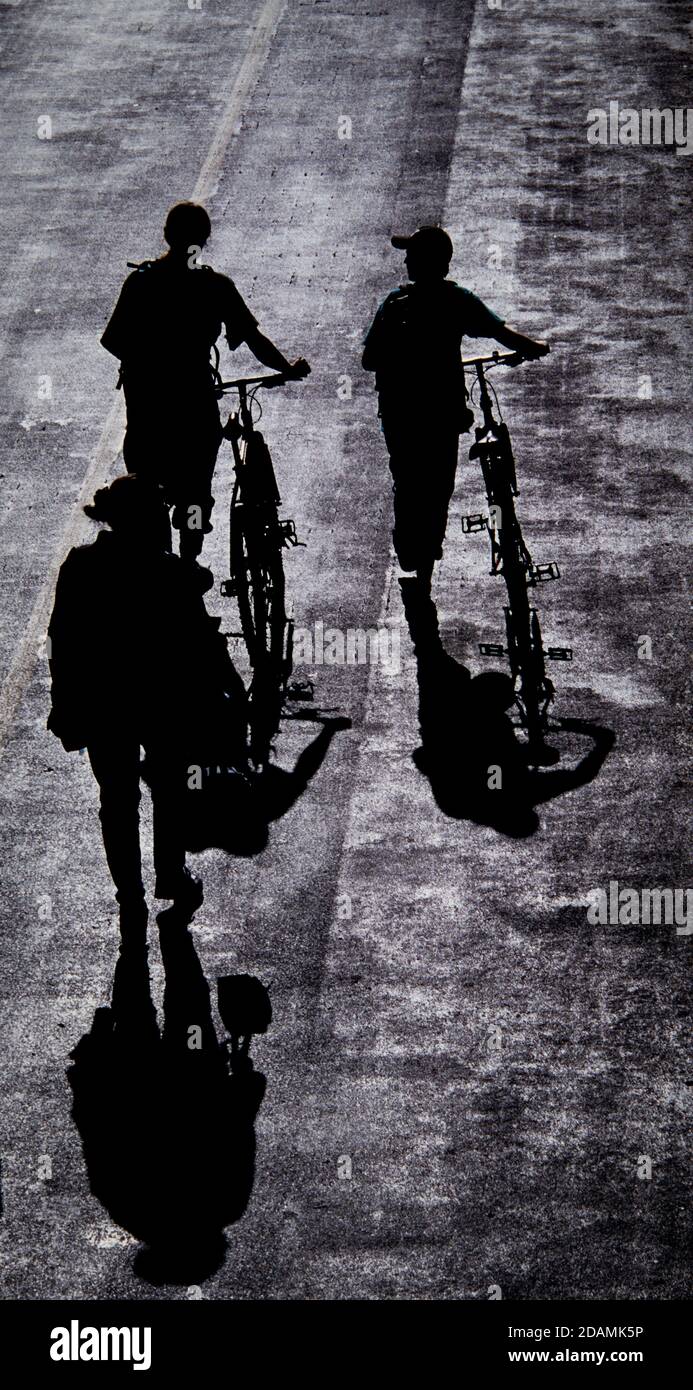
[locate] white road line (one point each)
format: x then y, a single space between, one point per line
254 60
22 667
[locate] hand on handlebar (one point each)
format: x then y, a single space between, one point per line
532 350
298 370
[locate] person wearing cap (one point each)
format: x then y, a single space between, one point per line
414 348
136 661
169 314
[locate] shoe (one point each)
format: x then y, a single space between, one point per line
187 893
173 920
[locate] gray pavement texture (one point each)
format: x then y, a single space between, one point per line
495 1068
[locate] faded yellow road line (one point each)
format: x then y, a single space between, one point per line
22 667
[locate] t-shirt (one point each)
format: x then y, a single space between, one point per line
415 339
168 317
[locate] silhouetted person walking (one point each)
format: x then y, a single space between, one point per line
414 348
136 662
168 317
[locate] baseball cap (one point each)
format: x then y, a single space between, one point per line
434 241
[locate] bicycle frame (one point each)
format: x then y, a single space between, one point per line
256 487
510 556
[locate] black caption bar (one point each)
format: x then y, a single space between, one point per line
161 1337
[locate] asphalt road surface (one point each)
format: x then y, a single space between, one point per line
472 1090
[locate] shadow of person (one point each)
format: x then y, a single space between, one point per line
233 811
167 1125
477 767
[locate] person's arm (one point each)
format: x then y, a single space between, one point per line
372 343
241 327
482 322
519 342
547 785
117 331
270 356
68 647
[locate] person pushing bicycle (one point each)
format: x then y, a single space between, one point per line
417 334
168 316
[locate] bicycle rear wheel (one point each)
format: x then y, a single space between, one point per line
240 548
259 586
272 664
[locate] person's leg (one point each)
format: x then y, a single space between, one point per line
406 535
192 519
439 471
142 445
167 774
424 573
115 764
167 783
446 449
400 455
143 454
193 471
423 472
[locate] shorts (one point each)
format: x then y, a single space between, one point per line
175 446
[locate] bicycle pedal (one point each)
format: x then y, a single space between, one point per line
300 690
232 429
287 532
477 521
540 574
492 649
559 653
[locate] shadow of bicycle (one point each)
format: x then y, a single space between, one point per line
233 812
476 765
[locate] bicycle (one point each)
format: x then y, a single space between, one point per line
510 557
257 538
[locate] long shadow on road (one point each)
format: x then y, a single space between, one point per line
167 1118
233 813
470 753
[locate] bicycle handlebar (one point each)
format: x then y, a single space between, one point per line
506 359
276 379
